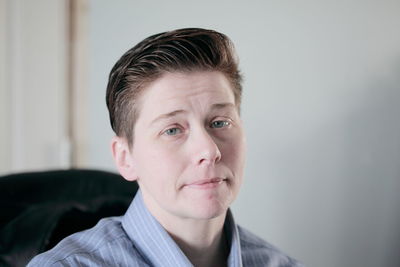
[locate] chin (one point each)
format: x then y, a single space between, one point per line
207 204
208 210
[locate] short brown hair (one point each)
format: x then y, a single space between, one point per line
182 50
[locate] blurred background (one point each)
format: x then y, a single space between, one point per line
320 106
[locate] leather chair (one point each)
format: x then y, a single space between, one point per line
38 209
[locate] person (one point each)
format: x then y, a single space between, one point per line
174 104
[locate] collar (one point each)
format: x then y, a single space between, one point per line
156 245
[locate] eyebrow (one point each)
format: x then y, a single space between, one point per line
180 111
223 105
168 115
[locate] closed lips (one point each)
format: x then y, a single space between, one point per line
205 182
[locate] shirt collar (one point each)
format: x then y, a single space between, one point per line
232 234
156 245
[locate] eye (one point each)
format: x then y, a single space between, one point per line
220 124
173 131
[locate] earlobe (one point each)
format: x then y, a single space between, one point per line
123 158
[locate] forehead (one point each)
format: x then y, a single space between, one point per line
179 90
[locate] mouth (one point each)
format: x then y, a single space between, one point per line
205 183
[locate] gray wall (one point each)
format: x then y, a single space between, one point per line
321 93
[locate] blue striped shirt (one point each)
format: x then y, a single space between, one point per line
137 239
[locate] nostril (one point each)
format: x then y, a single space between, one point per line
218 156
210 156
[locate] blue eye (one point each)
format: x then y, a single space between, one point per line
219 124
173 131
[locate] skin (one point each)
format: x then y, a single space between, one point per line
188 157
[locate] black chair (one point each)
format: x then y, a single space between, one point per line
39 209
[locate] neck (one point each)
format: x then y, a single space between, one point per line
201 239
196 237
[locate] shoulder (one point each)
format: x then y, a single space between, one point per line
258 252
104 244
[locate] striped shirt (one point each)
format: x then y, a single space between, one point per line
137 239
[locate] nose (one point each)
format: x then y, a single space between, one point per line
205 149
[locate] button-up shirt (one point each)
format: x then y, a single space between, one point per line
138 239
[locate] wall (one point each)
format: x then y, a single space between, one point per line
322 83
33 85
4 104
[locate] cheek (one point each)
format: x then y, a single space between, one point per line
233 151
161 163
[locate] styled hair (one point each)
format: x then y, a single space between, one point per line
182 50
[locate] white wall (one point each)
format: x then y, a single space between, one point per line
33 98
321 93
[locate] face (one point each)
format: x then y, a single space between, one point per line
188 148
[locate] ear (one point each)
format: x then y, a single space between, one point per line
123 158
